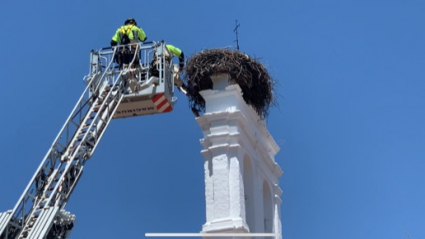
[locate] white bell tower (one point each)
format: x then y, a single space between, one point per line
241 175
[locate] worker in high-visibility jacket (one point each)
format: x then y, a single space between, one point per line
177 80
128 34
176 71
176 52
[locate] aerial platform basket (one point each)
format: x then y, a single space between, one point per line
148 87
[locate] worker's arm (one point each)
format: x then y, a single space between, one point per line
116 38
141 35
177 52
181 61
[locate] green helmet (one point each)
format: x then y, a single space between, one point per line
130 21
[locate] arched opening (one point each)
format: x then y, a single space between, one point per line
248 185
267 208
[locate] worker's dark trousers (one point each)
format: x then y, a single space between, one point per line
154 70
125 56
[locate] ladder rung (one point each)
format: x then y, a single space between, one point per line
83 131
30 195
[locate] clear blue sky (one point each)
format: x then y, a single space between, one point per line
350 121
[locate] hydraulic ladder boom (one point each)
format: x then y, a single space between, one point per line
39 212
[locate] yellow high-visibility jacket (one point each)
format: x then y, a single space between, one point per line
131 31
177 52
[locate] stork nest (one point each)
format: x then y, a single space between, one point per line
252 77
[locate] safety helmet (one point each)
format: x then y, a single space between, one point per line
130 21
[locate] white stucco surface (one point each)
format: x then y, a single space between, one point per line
234 134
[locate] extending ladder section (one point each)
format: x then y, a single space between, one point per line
40 213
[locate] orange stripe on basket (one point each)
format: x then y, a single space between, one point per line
160 104
157 97
168 109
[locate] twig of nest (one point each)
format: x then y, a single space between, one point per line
252 77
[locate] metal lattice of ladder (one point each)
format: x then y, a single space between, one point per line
40 213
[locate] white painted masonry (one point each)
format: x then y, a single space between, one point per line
241 175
